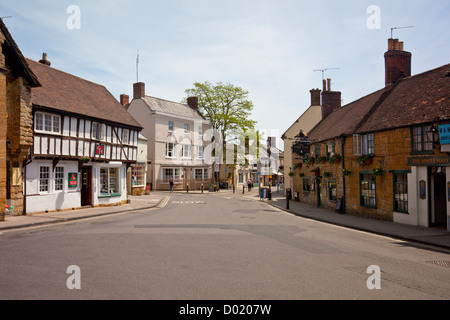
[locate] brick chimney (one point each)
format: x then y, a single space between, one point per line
193 103
138 90
315 97
331 100
44 60
124 99
397 62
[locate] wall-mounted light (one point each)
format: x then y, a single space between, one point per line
433 135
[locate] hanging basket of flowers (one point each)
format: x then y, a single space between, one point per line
378 172
346 172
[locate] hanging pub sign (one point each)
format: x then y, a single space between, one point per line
99 149
73 180
301 148
444 134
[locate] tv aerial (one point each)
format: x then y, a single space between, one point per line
323 71
395 28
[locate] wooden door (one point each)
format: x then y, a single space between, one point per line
86 186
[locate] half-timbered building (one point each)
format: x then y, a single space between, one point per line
84 142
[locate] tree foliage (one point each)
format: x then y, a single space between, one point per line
226 106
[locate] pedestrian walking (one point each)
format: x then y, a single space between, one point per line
249 183
171 185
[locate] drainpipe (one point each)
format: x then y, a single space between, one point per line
25 163
343 139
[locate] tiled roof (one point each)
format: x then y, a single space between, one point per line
344 121
172 108
67 93
422 98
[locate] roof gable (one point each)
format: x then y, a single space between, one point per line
67 93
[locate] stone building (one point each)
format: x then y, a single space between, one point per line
380 156
16 121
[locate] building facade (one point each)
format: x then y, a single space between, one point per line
16 136
83 143
178 148
381 156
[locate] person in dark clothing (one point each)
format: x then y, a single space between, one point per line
171 185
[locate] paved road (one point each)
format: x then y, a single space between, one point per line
214 246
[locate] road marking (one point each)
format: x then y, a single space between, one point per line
164 202
188 202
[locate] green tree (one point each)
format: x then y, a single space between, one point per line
226 106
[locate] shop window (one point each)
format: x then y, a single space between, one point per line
171 173
368 190
109 181
137 176
201 174
400 193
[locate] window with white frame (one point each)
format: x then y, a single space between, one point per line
44 178
170 126
125 136
170 150
109 181
200 152
186 150
59 178
171 173
186 128
201 174
47 123
98 131
363 144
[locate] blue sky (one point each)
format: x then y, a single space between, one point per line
267 47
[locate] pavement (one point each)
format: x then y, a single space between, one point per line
437 237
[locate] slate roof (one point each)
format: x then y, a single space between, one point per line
68 93
419 99
172 108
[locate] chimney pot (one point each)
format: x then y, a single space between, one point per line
328 84
138 90
324 85
44 59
